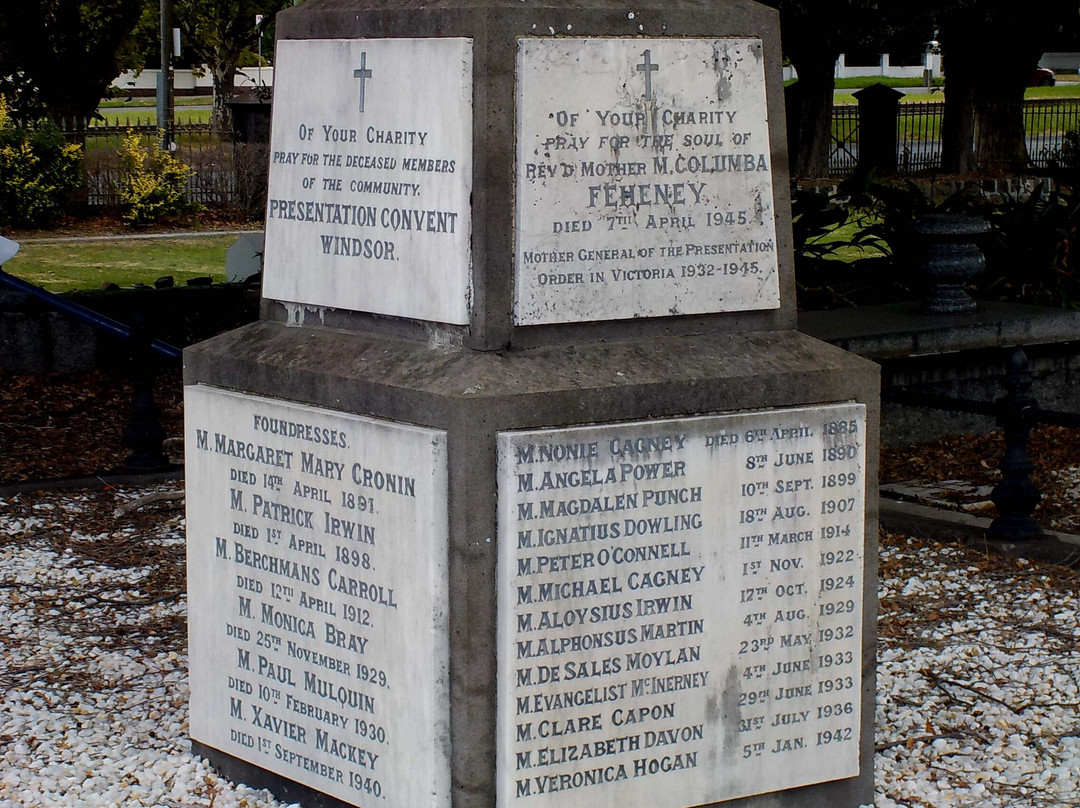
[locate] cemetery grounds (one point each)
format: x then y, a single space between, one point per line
978 664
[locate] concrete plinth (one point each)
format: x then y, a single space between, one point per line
524 493
474 396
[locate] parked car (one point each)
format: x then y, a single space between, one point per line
1042 77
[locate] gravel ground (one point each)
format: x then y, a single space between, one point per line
978 671
93 666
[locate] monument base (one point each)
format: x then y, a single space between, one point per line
286 790
492 410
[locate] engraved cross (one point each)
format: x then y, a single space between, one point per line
363 74
647 67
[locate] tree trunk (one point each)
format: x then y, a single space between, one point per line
810 138
983 128
986 73
958 124
224 76
1000 139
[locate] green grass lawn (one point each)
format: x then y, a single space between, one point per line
147 116
858 82
1068 89
849 98
143 102
66 265
1060 90
926 126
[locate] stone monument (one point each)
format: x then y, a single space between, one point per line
524 491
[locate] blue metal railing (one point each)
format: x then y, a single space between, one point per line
83 314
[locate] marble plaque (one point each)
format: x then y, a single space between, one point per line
370 177
317 573
680 608
644 180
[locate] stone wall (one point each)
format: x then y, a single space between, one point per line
35 339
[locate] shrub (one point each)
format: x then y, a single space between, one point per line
250 162
1028 254
38 172
153 184
841 260
1028 249
1067 161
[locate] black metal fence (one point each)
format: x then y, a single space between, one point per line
918 135
918 130
845 139
224 172
1046 123
228 172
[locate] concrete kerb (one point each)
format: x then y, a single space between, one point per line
94 482
940 524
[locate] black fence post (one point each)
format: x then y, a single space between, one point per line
1016 496
144 434
879 109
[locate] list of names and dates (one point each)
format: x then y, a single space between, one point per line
644 179
317 541
368 205
680 607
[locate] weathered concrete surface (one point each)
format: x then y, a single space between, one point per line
945 525
475 394
495 27
34 339
962 356
478 380
898 330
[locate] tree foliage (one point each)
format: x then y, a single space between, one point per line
60 56
220 33
38 172
990 48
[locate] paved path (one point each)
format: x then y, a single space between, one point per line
135 236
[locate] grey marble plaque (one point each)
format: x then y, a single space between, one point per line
317 573
370 177
644 179
680 608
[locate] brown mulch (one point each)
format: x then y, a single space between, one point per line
110 224
71 425
56 425
975 458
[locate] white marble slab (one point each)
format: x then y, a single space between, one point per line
317 542
644 179
368 207
680 608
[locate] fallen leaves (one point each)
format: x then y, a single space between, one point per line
70 425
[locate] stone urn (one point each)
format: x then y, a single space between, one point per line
949 258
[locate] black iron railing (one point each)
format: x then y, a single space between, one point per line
918 134
143 434
1016 495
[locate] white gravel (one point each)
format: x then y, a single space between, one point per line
978 670
93 665
978 681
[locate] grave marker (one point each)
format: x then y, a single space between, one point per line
329 545
635 645
371 189
639 517
641 202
